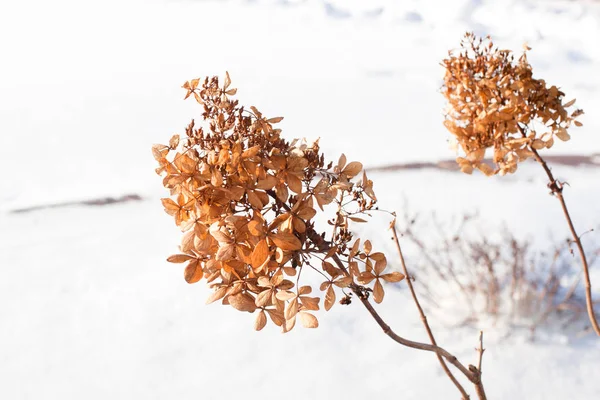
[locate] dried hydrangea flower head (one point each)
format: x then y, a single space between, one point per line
494 102
246 199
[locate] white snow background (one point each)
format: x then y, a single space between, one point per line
90 309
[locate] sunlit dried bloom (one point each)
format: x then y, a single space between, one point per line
245 199
494 102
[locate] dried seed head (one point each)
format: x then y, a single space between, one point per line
245 200
494 102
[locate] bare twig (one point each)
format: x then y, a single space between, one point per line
480 350
422 314
556 189
479 386
472 373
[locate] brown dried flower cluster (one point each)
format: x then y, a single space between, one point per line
246 200
494 102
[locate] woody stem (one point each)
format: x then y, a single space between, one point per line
472 373
556 189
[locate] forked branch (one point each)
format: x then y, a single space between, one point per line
464 394
472 373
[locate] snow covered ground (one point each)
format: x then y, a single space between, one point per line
88 306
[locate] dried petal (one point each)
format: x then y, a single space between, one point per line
217 295
308 320
242 302
310 303
392 277
286 241
352 169
263 298
260 254
179 258
365 278
329 298
261 320
378 292
343 282
562 134
276 317
292 309
193 272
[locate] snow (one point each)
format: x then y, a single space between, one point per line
89 307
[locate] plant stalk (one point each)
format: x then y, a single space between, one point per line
472 373
462 391
557 188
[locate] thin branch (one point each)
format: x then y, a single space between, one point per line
472 373
557 188
423 317
480 350
388 331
